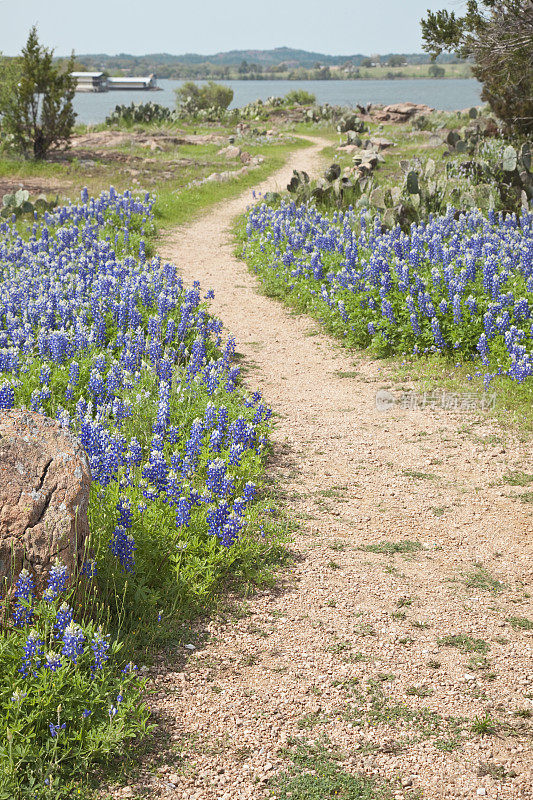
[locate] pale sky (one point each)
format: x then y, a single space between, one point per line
335 27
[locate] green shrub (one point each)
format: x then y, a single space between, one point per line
300 97
213 98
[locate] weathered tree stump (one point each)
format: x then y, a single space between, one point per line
44 497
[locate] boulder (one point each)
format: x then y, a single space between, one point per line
231 151
44 497
348 148
400 112
381 143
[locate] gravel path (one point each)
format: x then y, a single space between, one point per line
347 645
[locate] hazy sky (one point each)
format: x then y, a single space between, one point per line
210 26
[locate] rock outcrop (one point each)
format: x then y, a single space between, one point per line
44 496
400 112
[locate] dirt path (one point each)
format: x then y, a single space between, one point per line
347 645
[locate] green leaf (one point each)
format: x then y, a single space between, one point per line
430 168
377 198
509 159
22 196
412 182
452 138
332 172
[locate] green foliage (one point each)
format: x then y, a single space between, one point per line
331 190
209 101
480 578
18 203
300 97
351 123
468 644
316 773
421 193
97 710
144 113
520 623
390 548
36 103
485 726
435 71
498 37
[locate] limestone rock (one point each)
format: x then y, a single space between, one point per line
381 143
400 112
44 496
230 152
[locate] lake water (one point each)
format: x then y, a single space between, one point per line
442 93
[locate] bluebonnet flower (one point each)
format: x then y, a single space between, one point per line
73 639
33 652
22 611
63 619
56 582
54 729
89 568
52 661
183 513
7 397
249 491
100 647
122 546
24 586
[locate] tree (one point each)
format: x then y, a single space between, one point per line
435 71
367 62
36 102
498 36
396 61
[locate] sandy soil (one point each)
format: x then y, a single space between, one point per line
347 645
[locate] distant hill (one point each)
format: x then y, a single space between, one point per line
258 60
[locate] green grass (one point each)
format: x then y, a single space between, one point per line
420 476
390 548
378 709
480 578
520 623
316 773
485 726
165 173
518 478
178 207
468 644
527 497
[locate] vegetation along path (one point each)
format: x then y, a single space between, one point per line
398 645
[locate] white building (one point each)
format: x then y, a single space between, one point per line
132 83
90 81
